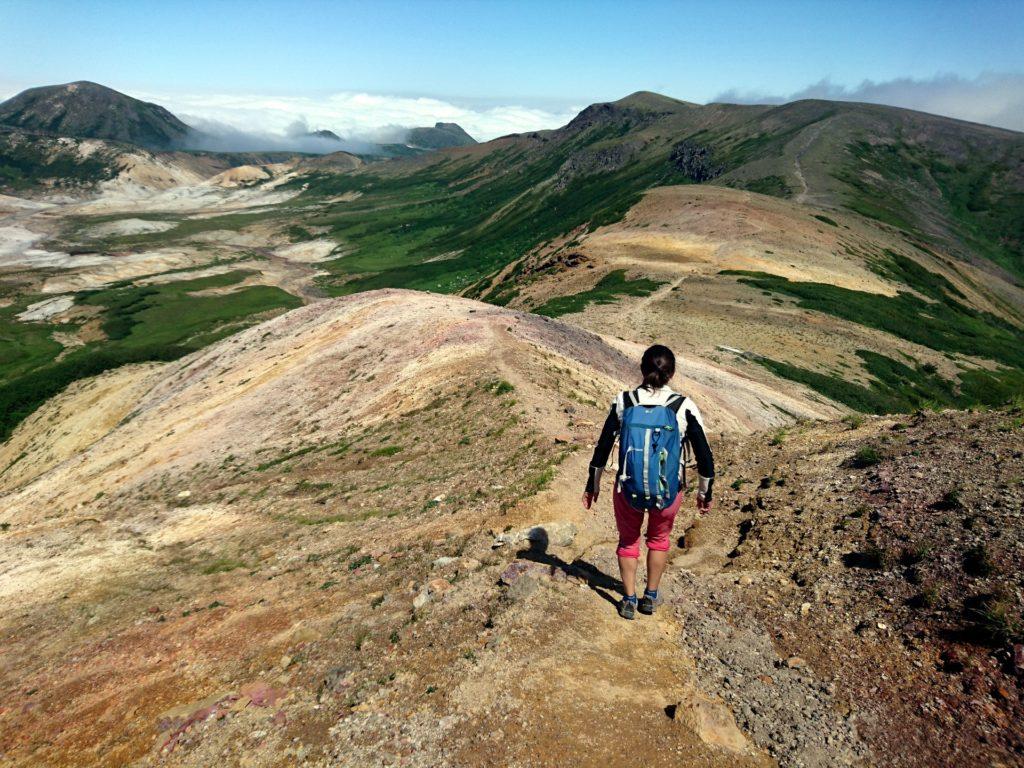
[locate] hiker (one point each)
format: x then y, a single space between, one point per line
655 427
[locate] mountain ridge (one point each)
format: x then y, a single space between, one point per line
293 446
88 110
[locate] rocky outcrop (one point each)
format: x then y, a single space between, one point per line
594 160
694 161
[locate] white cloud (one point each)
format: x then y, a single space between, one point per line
993 98
359 117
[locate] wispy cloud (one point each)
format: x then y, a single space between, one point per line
993 98
251 121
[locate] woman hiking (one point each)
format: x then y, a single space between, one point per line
653 424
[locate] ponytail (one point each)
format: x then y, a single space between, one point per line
658 366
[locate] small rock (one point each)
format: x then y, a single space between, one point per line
184 494
795 662
744 580
805 608
523 587
563 439
438 586
441 562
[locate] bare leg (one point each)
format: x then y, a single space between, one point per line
656 562
627 569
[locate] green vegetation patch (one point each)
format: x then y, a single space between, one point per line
976 195
172 313
25 346
939 321
457 221
223 565
28 162
775 186
144 323
900 388
609 289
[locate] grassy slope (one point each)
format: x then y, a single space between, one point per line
933 316
158 322
28 161
450 222
976 199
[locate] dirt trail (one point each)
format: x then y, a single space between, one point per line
810 136
585 680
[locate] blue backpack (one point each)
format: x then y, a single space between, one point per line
649 452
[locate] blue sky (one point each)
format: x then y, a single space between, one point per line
546 57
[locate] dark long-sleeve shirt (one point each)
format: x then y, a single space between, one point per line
693 433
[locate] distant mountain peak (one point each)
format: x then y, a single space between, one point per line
87 110
323 133
441 136
649 100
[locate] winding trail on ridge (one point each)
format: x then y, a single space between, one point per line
809 137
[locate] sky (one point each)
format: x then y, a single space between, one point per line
365 69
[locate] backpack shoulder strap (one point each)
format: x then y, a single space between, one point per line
629 399
676 402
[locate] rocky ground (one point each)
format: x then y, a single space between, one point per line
886 556
202 573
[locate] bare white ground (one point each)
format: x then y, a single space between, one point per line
47 308
130 227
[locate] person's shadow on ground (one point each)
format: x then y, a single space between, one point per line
537 552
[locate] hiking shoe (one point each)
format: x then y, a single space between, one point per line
627 609
648 604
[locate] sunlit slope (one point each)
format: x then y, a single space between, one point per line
857 311
446 220
275 494
828 192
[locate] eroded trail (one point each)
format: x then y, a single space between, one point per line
699 683
810 137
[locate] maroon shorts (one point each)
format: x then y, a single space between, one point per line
629 521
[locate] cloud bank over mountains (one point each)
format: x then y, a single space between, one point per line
992 98
257 121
